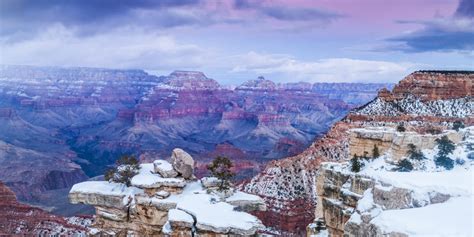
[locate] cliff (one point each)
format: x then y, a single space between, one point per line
20 219
164 199
417 112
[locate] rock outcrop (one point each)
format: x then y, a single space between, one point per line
156 205
417 111
183 163
20 219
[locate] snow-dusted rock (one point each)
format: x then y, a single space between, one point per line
162 194
183 163
180 219
247 202
146 178
102 193
210 182
164 168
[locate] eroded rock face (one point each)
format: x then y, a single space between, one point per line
183 163
431 106
165 169
154 206
20 219
387 139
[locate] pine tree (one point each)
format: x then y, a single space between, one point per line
404 166
458 125
220 168
401 128
356 165
413 153
375 152
126 168
445 147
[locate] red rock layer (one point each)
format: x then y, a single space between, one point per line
293 216
20 219
434 85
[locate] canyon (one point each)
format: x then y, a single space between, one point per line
61 126
424 102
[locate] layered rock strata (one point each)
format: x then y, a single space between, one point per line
176 206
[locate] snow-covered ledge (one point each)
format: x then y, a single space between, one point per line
155 205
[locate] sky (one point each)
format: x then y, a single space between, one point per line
236 40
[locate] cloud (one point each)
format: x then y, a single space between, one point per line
24 19
59 46
324 70
455 33
285 12
465 8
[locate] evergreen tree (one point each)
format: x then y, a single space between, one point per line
401 128
126 168
404 166
375 152
413 153
220 168
445 147
458 125
356 165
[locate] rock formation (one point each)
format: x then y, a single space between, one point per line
174 206
289 185
20 219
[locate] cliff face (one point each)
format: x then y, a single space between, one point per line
164 199
430 108
21 219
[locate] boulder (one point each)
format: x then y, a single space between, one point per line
210 182
183 163
164 168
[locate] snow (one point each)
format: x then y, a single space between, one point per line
105 188
167 228
241 196
163 165
458 181
146 178
451 218
209 212
366 202
179 215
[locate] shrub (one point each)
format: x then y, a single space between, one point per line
356 165
413 153
375 152
126 168
401 128
445 147
458 125
220 168
404 166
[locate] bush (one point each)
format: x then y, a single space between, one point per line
356 165
404 166
413 153
126 168
445 147
458 125
401 128
375 152
220 168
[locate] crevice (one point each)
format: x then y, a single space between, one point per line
194 228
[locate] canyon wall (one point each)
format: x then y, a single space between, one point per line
417 112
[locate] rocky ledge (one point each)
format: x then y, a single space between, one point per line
165 199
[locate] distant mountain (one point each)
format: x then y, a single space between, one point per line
60 126
424 102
